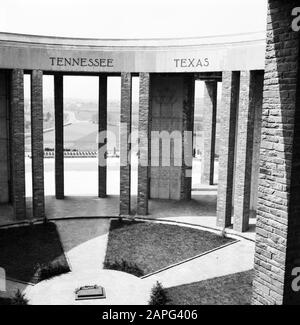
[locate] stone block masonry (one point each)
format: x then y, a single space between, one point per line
18 144
172 110
250 93
187 136
4 138
278 223
125 147
144 144
230 98
209 125
37 145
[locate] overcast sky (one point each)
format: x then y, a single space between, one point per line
132 18
129 19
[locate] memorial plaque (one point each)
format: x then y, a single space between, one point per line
90 292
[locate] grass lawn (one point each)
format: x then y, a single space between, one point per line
233 289
23 248
152 246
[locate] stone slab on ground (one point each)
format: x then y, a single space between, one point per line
121 289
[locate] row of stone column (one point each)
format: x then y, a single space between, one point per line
17 154
240 116
150 90
125 131
18 198
18 141
125 157
241 100
241 105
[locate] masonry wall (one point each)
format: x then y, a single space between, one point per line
37 144
125 145
187 138
278 223
228 116
144 144
17 143
249 102
4 125
172 107
209 132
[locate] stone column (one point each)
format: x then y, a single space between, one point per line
209 122
59 136
18 144
4 139
187 136
144 144
230 95
250 94
125 147
277 254
37 145
102 143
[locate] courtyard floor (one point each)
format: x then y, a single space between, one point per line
85 243
83 223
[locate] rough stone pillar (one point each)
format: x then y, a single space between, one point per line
277 254
250 93
18 144
102 144
209 122
144 144
4 139
230 96
125 147
187 136
37 145
59 136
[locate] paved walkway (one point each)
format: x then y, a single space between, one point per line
86 262
85 240
121 289
85 249
88 255
235 258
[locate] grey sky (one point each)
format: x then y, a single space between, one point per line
128 19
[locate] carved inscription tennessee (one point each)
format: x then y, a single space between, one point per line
82 62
